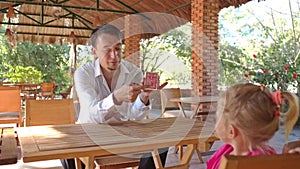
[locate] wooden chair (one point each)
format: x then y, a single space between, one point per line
171 109
279 161
10 88
67 93
290 145
49 112
47 90
10 106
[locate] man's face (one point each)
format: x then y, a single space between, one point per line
109 50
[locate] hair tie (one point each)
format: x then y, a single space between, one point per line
277 99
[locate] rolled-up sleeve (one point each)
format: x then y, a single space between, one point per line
139 109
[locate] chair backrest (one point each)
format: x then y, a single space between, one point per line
290 145
47 89
10 88
10 105
2 83
165 95
69 89
49 112
278 161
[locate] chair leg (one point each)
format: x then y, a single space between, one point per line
78 163
199 155
179 149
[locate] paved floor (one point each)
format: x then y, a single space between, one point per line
277 142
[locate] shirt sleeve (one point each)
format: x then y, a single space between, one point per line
139 110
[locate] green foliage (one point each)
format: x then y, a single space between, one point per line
158 52
231 63
84 55
23 74
260 49
49 59
275 66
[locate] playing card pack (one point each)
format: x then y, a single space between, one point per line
152 79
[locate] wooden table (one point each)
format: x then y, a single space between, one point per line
8 146
29 89
194 100
26 89
89 140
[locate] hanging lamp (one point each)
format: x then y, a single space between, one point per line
72 35
11 12
96 22
72 38
8 32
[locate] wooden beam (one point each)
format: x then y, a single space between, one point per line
68 6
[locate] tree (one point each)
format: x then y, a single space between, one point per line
158 51
269 51
49 59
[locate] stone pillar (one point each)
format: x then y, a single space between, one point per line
204 46
132 39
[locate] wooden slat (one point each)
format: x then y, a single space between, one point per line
279 161
8 149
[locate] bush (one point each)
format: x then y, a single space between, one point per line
27 74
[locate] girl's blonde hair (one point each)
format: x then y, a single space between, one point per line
250 108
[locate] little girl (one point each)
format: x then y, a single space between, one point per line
247 117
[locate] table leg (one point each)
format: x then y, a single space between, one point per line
188 154
78 163
156 159
87 161
195 112
199 154
181 109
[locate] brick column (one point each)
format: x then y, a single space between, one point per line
204 46
132 39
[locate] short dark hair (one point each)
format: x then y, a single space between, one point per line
106 28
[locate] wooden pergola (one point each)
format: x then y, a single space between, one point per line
72 21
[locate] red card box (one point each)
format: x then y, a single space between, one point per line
152 79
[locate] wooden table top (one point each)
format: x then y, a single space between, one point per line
82 140
196 100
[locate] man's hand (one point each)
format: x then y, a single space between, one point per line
146 93
127 93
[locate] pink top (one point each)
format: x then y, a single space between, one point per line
215 160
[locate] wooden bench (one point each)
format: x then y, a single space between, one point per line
116 162
8 147
109 162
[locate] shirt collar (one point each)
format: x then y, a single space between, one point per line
97 69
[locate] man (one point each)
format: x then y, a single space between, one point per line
109 88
